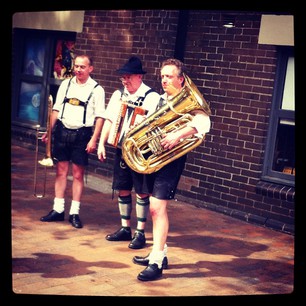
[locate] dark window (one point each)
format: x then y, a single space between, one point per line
41 60
279 162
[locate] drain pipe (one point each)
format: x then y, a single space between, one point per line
180 43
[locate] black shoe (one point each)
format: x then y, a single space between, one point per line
144 261
53 216
150 273
139 241
75 221
122 234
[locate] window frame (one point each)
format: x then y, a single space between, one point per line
268 174
49 84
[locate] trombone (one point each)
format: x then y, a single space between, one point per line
47 161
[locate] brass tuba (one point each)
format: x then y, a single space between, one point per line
141 148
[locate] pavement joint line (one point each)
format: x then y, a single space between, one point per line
96 183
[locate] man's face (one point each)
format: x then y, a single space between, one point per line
131 82
82 69
170 80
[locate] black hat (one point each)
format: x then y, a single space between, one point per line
132 66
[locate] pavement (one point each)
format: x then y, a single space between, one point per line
210 254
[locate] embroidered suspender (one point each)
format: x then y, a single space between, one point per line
65 99
77 102
139 101
160 103
85 106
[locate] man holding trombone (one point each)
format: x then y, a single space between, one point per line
76 121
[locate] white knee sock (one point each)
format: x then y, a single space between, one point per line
157 258
75 207
165 249
59 205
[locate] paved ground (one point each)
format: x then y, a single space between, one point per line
210 254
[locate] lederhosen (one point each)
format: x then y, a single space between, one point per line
139 103
163 183
122 179
70 135
71 138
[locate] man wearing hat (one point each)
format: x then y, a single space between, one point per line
136 94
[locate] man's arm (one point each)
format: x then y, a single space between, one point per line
92 144
103 139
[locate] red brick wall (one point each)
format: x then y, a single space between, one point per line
235 75
111 37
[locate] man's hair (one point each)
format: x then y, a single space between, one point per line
90 60
173 61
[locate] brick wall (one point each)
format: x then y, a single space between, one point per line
235 75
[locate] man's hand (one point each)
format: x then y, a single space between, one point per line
101 153
170 140
91 146
44 137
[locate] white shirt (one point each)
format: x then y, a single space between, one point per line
72 116
112 112
150 102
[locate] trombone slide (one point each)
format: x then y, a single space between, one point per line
47 161
44 179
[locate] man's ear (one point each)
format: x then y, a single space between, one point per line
182 79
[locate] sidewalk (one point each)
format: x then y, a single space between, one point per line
210 254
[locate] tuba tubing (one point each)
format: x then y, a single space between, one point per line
141 148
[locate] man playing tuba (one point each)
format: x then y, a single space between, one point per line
163 182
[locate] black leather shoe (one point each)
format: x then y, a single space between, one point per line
53 216
150 273
122 234
75 221
138 241
144 261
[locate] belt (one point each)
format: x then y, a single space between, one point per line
78 129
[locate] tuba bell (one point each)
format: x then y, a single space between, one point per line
141 148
